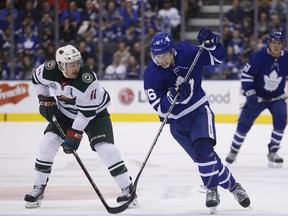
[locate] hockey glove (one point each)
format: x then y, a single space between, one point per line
210 39
48 107
252 99
184 90
72 140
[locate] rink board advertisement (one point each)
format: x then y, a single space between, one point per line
18 101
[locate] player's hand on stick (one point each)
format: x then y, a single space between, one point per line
72 140
48 107
208 37
252 99
184 90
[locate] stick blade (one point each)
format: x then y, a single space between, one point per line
118 209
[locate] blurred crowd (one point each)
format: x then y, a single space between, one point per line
120 32
239 37
79 25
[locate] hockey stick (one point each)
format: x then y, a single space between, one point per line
111 210
133 194
267 100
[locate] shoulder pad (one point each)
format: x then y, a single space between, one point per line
51 70
84 79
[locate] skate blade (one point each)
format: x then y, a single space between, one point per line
213 210
30 205
274 165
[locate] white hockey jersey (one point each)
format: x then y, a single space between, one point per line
79 99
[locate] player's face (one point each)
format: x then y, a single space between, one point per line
72 69
165 59
275 47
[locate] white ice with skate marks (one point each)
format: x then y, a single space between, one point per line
169 184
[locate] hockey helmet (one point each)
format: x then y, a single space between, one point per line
161 43
66 54
276 35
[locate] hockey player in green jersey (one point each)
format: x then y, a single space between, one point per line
80 105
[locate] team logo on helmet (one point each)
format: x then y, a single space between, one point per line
87 78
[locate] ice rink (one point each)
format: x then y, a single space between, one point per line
169 184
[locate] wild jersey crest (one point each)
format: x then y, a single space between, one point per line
49 65
87 77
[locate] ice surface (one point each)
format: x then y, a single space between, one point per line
169 184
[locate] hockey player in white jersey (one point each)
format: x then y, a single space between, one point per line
191 119
263 82
80 105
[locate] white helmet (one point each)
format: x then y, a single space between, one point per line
66 54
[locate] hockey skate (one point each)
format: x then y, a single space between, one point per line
231 157
212 200
274 160
34 198
241 195
125 196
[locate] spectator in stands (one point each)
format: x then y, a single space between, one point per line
172 15
276 24
264 6
29 41
231 65
115 71
112 12
133 69
150 16
132 35
90 12
17 64
247 6
50 51
136 51
85 53
44 6
226 35
63 5
92 64
4 71
123 52
28 20
71 13
106 30
27 68
161 25
28 10
5 38
237 42
129 14
279 7
263 24
118 29
192 8
5 11
40 56
46 28
236 14
68 32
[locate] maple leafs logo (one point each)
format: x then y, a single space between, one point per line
272 81
181 79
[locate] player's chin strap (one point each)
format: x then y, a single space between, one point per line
133 194
111 210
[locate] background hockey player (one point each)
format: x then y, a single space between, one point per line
80 104
263 82
191 120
